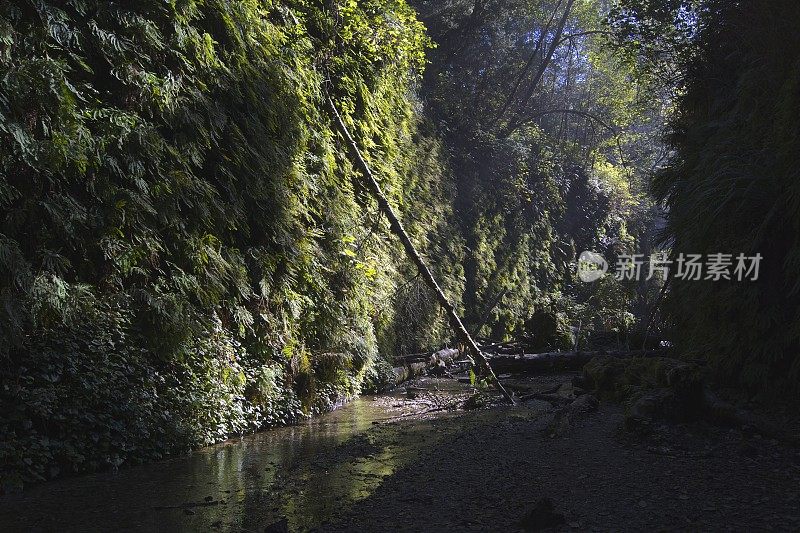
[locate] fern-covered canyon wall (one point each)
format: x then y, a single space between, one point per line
731 186
184 252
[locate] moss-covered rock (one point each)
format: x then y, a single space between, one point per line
649 386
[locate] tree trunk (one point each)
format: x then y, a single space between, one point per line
473 352
560 361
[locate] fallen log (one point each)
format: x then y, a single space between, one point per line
415 367
508 350
515 347
446 355
559 361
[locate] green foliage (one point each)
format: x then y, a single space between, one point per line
608 304
538 180
650 386
186 252
733 188
182 240
658 35
619 378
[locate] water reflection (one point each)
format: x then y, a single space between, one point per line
303 473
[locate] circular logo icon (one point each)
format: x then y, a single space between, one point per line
591 266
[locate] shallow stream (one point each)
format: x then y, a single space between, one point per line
300 475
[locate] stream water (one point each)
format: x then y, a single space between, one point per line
299 475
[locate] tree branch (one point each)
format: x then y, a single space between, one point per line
543 65
524 71
528 118
581 34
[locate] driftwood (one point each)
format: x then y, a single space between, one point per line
414 365
385 207
515 347
447 355
558 361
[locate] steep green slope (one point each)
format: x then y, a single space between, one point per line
733 188
183 252
731 185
